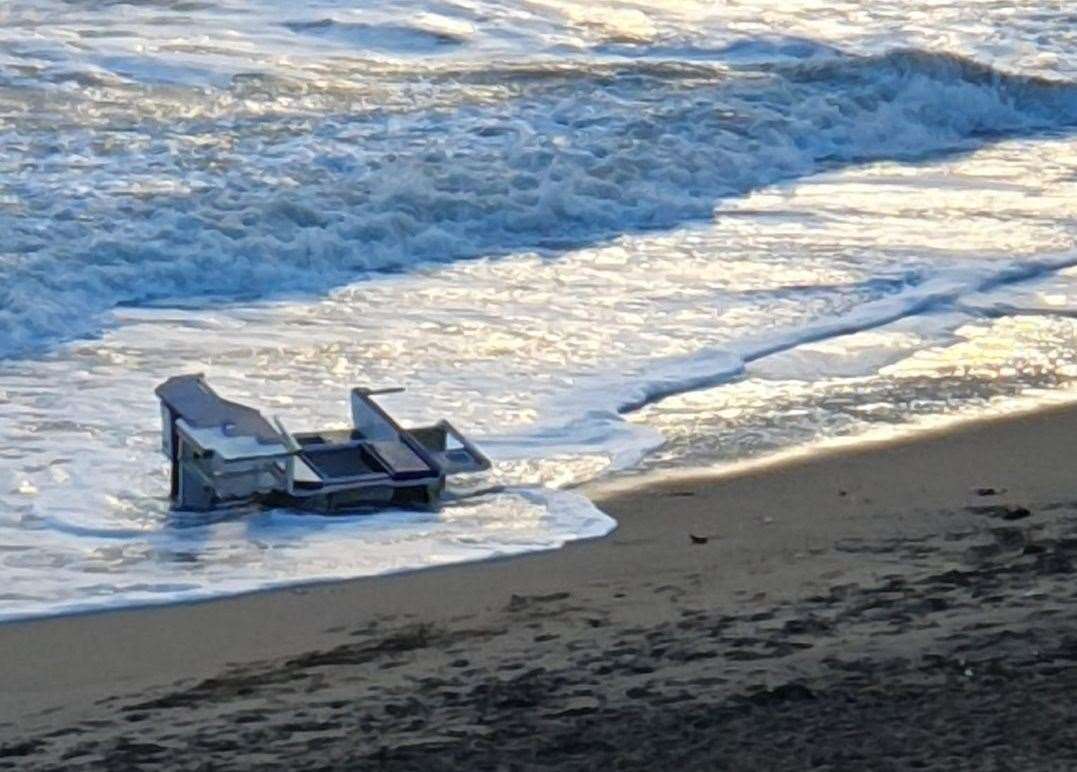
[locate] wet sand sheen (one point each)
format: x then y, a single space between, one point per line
906 603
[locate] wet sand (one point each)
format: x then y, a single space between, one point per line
896 606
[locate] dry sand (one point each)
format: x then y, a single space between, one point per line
866 609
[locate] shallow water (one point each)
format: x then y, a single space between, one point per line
601 239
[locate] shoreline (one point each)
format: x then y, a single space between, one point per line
751 548
619 486
882 437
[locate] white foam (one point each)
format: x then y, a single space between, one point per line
269 187
84 569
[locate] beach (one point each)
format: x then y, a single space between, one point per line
886 606
763 314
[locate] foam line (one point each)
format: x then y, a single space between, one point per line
937 293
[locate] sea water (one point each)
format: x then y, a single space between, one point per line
603 238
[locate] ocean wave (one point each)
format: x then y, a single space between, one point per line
250 192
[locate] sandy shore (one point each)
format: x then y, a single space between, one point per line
908 605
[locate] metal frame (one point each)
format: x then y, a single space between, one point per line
225 454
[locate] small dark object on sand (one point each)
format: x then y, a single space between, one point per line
790 692
843 493
989 491
1016 513
698 539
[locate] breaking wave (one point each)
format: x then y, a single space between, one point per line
127 193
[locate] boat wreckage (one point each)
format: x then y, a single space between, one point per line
226 454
